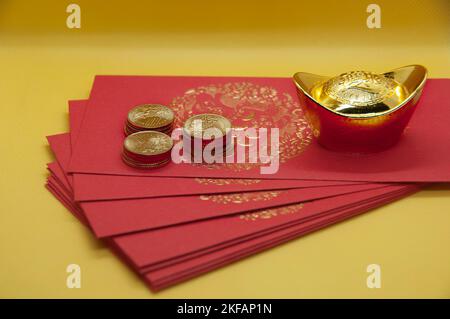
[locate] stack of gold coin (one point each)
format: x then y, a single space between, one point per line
147 149
149 117
196 126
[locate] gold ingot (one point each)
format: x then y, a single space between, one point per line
360 111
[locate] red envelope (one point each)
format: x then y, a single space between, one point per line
168 276
161 247
422 155
304 214
216 249
108 218
163 260
165 280
223 250
57 173
105 187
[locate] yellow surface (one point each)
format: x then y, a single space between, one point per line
43 64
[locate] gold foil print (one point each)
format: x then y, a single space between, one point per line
239 198
272 212
226 181
247 104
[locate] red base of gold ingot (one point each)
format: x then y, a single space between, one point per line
355 135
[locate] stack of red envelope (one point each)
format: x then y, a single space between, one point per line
175 222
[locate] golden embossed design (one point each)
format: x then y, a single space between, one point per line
226 181
148 143
271 212
150 116
360 93
246 105
360 88
238 198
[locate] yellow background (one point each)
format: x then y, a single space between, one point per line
43 64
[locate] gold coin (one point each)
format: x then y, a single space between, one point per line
133 163
207 121
148 143
150 116
130 130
